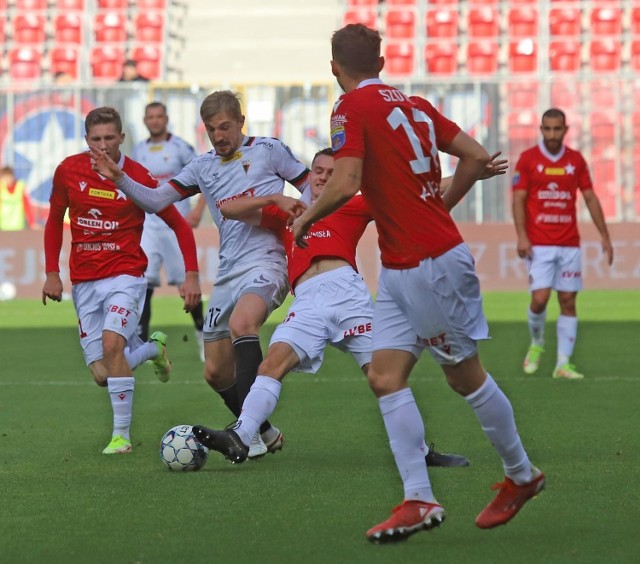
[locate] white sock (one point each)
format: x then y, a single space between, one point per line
257 407
536 326
495 414
567 331
405 429
121 394
135 357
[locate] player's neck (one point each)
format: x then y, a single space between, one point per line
159 137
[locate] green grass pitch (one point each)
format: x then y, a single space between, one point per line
62 501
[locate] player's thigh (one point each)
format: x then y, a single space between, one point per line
89 305
305 330
542 267
442 303
152 247
569 271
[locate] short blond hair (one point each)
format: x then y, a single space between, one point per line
221 101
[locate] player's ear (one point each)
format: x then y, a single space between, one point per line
380 64
334 68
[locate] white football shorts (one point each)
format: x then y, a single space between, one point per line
112 304
161 247
332 308
267 280
558 268
436 305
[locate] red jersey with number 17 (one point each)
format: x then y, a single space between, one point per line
551 183
398 137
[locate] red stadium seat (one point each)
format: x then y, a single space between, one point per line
606 20
523 55
151 4
70 5
364 16
523 22
149 26
564 21
442 23
149 59
441 58
106 61
28 5
68 28
522 95
400 24
399 58
523 130
113 4
483 22
65 59
604 55
25 63
565 94
110 27
635 20
603 130
635 55
482 57
29 28
564 56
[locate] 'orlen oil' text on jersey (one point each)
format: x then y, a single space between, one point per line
552 183
106 226
335 236
258 168
398 138
164 159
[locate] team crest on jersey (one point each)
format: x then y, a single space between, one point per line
338 137
246 165
41 131
237 155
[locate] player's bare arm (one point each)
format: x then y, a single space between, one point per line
52 288
519 219
345 182
494 168
473 159
597 215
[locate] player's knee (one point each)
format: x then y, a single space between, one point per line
381 384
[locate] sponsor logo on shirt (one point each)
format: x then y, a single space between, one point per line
99 193
360 329
155 148
554 171
266 144
247 192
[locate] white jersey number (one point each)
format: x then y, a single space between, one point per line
422 163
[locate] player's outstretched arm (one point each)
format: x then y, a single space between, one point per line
597 215
494 168
249 209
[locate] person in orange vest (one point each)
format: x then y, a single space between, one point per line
15 207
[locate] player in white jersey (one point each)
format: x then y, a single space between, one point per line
164 155
252 275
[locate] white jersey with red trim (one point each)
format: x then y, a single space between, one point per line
258 168
552 183
164 159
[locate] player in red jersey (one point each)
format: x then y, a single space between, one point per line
332 304
428 294
545 192
107 267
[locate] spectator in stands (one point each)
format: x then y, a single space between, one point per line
164 155
130 72
386 144
15 207
545 190
62 78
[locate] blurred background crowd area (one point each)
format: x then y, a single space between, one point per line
491 65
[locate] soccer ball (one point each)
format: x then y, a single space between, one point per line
179 450
8 291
